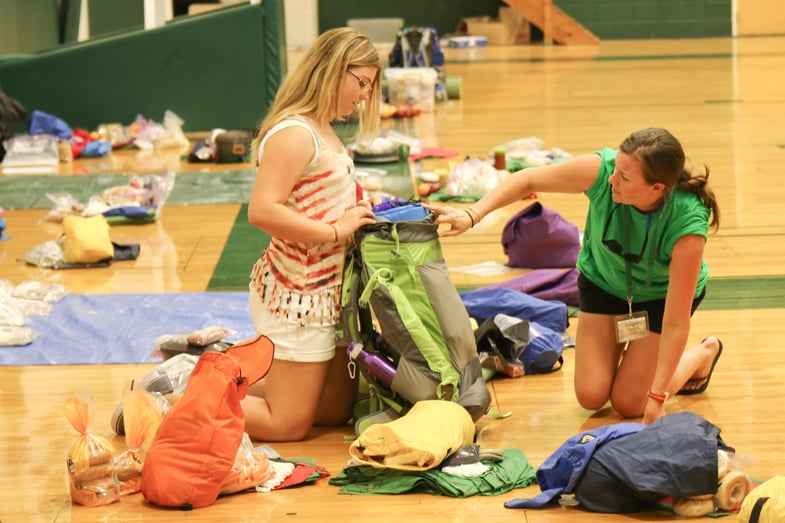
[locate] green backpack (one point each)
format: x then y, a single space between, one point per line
401 309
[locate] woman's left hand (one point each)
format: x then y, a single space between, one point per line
458 219
654 411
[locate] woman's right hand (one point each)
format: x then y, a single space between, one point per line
458 219
352 220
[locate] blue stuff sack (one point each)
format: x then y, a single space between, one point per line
407 212
487 302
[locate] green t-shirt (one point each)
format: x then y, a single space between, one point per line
684 213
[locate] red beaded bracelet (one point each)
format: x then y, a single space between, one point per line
658 397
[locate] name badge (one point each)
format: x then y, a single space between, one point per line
633 326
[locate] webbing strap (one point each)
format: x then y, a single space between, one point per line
757 509
437 358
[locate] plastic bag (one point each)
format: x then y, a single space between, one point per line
195 342
89 463
516 347
151 135
13 336
473 177
251 468
142 414
45 291
63 204
10 313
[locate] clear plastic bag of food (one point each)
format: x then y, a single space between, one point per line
90 462
13 336
33 307
10 313
142 414
63 204
251 468
38 290
207 335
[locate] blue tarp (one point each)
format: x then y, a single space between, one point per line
122 328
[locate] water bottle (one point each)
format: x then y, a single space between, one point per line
374 364
381 345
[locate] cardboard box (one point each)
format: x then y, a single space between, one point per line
511 28
517 25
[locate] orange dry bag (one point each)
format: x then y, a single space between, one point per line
196 444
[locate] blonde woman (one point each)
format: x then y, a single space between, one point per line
304 196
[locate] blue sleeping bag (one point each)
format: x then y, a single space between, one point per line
488 302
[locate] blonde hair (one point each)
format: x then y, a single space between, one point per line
314 86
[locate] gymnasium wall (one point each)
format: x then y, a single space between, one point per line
443 15
631 19
608 19
32 25
218 69
28 26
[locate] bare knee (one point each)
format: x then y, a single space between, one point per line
281 431
275 424
335 416
296 431
590 400
627 407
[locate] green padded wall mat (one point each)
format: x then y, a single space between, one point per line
243 247
217 69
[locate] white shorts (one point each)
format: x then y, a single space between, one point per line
293 342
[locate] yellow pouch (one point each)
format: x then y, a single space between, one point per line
765 503
419 440
87 239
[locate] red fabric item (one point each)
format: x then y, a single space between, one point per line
79 138
433 152
300 474
358 189
196 444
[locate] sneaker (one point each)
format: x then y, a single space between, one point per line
168 377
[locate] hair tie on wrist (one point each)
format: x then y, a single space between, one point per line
471 218
661 398
335 231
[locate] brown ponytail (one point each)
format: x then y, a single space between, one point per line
663 160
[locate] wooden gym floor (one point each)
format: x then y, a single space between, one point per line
722 97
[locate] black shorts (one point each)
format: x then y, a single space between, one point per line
597 301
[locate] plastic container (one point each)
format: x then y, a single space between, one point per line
467 41
411 86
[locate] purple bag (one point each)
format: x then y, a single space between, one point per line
546 284
538 238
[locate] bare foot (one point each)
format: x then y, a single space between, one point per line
712 348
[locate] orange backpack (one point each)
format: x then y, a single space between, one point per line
196 444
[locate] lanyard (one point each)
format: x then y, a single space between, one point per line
626 238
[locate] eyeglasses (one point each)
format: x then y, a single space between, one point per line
365 86
616 248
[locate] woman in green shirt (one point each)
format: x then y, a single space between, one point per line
642 268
